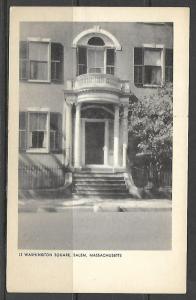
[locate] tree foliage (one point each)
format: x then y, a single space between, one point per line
151 123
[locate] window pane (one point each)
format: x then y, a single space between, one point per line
99 59
97 41
37 121
38 139
38 51
152 75
95 61
152 57
38 70
138 56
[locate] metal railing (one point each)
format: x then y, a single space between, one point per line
147 177
40 177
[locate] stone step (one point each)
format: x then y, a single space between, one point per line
99 180
101 194
99 170
100 189
100 184
104 176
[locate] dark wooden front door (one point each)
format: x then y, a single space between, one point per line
94 143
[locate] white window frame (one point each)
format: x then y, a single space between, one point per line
47 112
98 48
162 48
46 41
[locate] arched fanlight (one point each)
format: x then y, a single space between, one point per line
96 41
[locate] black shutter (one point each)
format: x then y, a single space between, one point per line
55 132
56 62
22 131
110 61
138 66
23 55
169 65
82 61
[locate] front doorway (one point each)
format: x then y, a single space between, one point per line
94 143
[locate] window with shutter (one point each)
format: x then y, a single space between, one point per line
41 61
37 130
148 66
95 57
40 131
152 66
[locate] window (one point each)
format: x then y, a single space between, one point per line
96 60
39 54
41 61
40 131
148 66
37 130
95 57
96 41
92 60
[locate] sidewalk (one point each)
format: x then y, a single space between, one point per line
93 204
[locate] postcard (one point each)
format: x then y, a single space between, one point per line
97 150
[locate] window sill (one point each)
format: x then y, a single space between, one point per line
152 85
38 81
37 150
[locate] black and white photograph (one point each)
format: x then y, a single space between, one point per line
99 141
95 135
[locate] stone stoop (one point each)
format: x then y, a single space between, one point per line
99 183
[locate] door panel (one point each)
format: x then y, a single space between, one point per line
94 143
